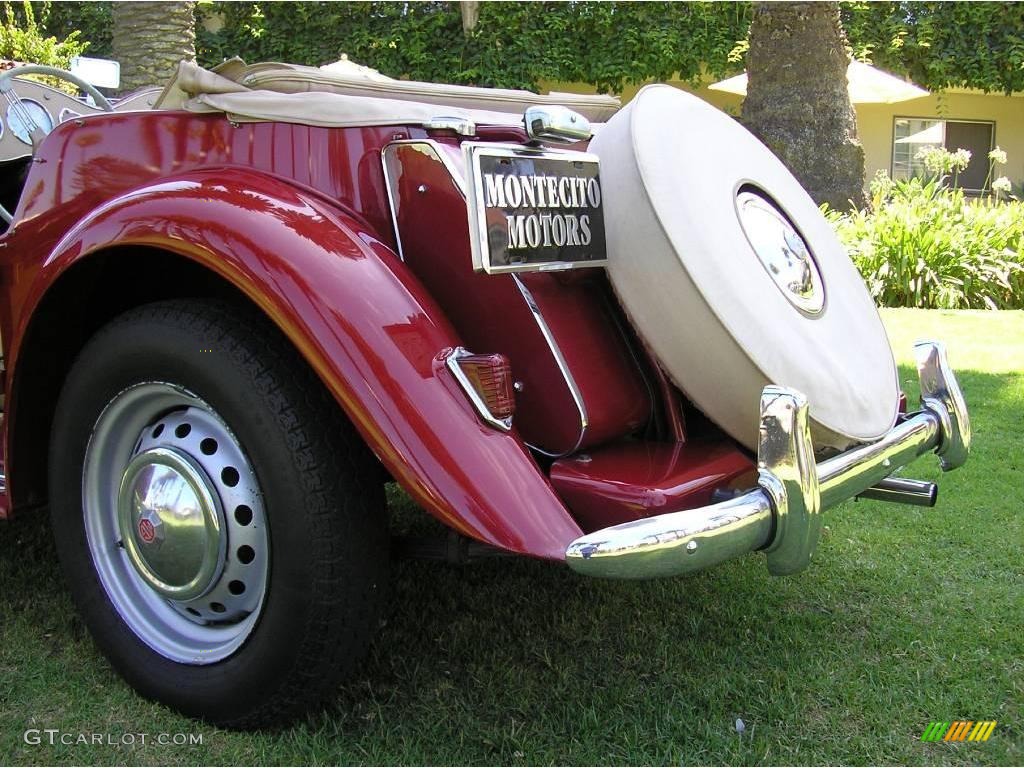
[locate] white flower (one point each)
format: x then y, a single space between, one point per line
936 159
998 155
961 159
1002 184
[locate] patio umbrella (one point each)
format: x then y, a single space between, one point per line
932 135
867 84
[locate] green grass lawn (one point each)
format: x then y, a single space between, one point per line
908 615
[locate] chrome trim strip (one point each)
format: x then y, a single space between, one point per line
389 189
452 361
458 174
391 184
782 514
556 352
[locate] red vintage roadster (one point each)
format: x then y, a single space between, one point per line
234 309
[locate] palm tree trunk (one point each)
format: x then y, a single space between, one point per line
797 98
150 38
470 15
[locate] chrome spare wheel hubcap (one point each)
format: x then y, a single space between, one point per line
781 250
175 522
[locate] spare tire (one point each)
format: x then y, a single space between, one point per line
733 277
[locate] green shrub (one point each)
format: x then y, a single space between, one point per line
22 39
923 244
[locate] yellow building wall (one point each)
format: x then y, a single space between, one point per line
875 121
875 125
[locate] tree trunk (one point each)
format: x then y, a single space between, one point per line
470 15
150 38
797 98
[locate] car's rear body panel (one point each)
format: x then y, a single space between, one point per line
581 381
357 244
363 323
270 208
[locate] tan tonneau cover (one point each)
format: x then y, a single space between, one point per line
359 96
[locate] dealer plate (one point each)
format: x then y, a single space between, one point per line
534 210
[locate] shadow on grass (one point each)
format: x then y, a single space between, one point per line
467 653
513 660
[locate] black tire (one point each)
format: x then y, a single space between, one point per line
325 512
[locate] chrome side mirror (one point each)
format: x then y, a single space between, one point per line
558 124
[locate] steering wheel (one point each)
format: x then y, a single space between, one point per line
36 133
7 89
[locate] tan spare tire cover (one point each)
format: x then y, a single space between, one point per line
675 173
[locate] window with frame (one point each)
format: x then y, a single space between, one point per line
911 134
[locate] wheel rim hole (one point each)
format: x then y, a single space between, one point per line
229 476
181 431
208 446
193 611
236 587
158 431
243 515
246 554
218 608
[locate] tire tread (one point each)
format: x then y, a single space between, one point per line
336 469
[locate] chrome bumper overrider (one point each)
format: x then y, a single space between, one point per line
783 515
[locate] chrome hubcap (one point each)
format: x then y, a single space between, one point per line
175 521
782 251
171 523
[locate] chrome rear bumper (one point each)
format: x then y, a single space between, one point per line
783 515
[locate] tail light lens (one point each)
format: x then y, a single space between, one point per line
487 381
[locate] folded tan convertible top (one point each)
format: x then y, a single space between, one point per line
357 96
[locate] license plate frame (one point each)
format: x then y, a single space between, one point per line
513 227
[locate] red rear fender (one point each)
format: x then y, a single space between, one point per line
365 325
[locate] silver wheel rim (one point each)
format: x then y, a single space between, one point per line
175 523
